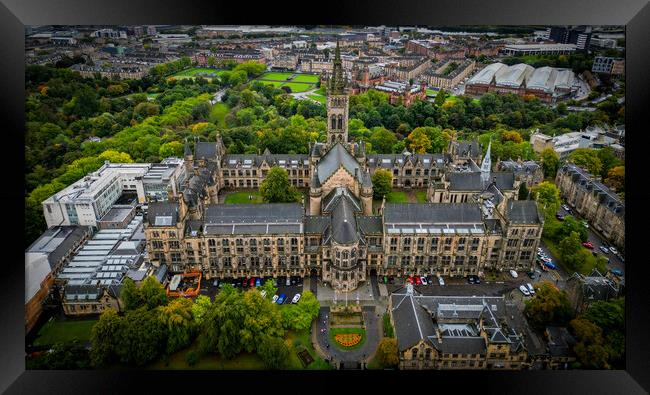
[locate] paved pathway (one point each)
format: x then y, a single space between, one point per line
372 320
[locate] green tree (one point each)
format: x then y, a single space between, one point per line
141 338
62 356
173 148
548 306
277 188
608 161
550 162
104 338
382 140
300 316
178 318
274 352
547 196
200 308
153 293
571 251
387 352
441 96
590 349
269 288
418 141
382 183
130 295
616 178
586 158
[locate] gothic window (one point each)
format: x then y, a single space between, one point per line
333 121
340 124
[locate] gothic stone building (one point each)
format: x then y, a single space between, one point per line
336 234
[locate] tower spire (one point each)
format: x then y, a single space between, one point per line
487 164
337 82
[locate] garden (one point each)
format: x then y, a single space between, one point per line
296 82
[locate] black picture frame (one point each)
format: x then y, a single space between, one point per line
634 14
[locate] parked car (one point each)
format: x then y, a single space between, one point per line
215 283
295 299
550 265
524 290
258 282
244 283
532 275
477 280
617 272
588 244
263 293
424 280
613 250
530 288
410 280
566 208
275 282
559 216
288 282
441 281
275 298
585 224
252 282
418 281
470 279
604 249
513 274
281 299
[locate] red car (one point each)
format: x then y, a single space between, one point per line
418 281
409 280
244 283
588 245
252 282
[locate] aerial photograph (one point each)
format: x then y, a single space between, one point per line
324 197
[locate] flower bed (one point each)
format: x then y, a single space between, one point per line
348 339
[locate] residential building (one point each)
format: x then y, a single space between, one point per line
608 65
585 290
447 74
538 49
529 172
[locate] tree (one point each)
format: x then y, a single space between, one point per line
130 295
590 350
586 158
153 293
178 318
616 178
200 308
141 338
382 140
548 198
419 141
548 306
382 183
274 352
269 288
550 162
69 355
277 188
441 96
570 251
387 352
173 148
104 337
523 192
608 160
300 316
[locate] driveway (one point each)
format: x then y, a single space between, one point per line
371 318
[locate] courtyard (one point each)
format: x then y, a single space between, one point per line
295 81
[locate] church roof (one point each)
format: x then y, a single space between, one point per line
336 157
471 181
344 223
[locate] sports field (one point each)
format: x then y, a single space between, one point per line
295 81
206 73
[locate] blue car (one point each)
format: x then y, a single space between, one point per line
258 282
617 272
550 265
281 299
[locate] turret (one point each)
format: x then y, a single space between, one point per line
366 192
315 193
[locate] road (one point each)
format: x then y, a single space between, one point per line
614 261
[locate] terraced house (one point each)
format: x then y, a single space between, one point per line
335 233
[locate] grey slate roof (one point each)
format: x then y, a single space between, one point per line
412 322
344 223
316 223
471 181
370 224
333 197
252 160
390 161
523 212
162 214
253 213
470 148
560 341
205 150
432 213
451 345
336 157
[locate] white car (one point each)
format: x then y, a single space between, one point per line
531 290
275 298
288 283
613 250
263 293
295 299
424 280
441 281
524 290
513 274
566 208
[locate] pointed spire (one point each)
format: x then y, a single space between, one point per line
487 164
336 82
315 181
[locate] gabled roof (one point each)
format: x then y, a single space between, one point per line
336 157
344 223
162 214
523 212
205 150
471 181
432 213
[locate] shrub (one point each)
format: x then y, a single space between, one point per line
192 358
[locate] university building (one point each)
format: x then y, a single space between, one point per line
335 233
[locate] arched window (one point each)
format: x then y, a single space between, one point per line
333 121
211 243
340 126
414 351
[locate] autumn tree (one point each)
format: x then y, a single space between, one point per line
590 350
382 183
387 352
277 188
616 178
418 141
548 306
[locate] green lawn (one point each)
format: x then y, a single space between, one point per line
275 76
311 78
299 340
396 197
431 92
276 84
242 198
191 73
298 86
321 91
63 331
421 196
334 331
218 114
318 98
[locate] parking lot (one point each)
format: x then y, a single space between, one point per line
295 286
